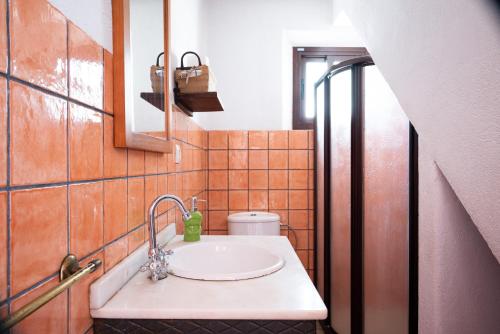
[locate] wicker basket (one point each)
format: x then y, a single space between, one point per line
157 75
196 79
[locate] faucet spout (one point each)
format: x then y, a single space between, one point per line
157 257
152 227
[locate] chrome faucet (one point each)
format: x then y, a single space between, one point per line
157 263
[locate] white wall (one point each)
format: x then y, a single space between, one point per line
92 16
459 278
249 46
187 30
442 60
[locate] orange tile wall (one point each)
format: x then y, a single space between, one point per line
63 186
65 189
264 171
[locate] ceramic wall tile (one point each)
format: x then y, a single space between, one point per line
115 159
218 200
135 202
238 140
86 218
38 44
258 159
151 162
136 163
38 136
238 159
278 159
297 179
298 159
86 68
52 318
238 179
218 159
218 140
298 139
218 180
218 220
258 140
258 179
85 143
115 209
278 140
258 200
38 226
115 252
278 199
238 200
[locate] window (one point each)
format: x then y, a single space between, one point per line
309 64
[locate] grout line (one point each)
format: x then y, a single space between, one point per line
8 167
68 172
34 286
58 95
69 183
68 169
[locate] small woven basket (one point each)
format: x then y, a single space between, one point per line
157 75
196 79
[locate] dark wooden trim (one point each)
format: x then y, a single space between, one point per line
120 139
327 215
413 234
357 201
298 121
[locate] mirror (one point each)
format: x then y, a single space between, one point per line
141 86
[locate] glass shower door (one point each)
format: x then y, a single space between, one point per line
385 208
340 200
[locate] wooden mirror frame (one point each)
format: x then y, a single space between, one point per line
123 134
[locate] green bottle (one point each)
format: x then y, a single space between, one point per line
192 226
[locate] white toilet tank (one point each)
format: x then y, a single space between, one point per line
254 223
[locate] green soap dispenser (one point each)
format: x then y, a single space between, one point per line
192 226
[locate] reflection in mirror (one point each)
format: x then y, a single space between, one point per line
146 56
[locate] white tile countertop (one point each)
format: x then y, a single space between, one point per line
287 294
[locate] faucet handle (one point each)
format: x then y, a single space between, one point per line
157 264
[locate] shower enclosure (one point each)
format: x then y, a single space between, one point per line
366 203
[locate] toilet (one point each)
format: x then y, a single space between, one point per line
254 223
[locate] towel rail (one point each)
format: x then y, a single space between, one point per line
70 273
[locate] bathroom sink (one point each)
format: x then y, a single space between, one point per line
223 261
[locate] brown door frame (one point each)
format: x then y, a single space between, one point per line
299 122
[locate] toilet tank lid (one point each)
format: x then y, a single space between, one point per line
253 217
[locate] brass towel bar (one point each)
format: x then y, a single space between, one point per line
69 274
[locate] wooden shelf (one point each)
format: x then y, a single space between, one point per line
188 103
198 102
156 99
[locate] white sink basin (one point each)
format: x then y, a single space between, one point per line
223 261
